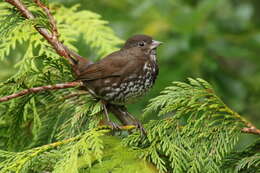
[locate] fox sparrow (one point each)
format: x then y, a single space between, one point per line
124 75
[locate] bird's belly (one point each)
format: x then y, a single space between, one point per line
129 89
122 90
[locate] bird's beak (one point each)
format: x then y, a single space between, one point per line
155 44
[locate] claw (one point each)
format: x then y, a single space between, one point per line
141 128
137 123
113 125
125 117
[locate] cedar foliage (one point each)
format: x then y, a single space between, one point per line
45 132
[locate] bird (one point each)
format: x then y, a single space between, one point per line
123 76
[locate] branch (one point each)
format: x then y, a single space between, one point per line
78 64
41 88
251 130
54 29
250 127
28 155
121 128
76 94
52 36
66 141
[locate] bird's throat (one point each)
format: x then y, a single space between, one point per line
153 51
153 55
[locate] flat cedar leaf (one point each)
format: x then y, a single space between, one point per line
57 131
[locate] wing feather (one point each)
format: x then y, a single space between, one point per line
110 66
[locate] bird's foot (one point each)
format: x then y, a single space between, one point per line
114 126
140 127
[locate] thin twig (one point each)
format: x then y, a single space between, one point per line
54 29
251 130
52 37
76 94
77 62
41 88
38 150
43 31
66 141
109 128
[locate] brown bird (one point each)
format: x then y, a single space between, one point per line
124 75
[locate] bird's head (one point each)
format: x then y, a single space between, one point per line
143 42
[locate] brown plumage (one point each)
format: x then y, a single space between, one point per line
124 75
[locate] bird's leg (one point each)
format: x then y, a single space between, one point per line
109 122
125 117
135 120
120 115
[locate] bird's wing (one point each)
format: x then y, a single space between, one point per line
110 66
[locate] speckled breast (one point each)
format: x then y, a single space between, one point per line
132 87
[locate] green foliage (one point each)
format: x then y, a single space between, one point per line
215 40
85 145
95 32
247 160
39 65
198 132
82 153
57 131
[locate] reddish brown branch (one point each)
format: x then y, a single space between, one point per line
50 36
54 29
77 62
252 130
41 88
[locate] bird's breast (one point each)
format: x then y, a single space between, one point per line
131 86
128 87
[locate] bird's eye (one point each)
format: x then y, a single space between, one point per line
141 43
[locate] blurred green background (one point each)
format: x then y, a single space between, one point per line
217 40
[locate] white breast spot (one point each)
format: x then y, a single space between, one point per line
107 88
131 84
145 66
153 58
107 81
117 89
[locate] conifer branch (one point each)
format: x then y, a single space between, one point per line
54 29
51 37
76 94
59 143
41 88
251 130
18 160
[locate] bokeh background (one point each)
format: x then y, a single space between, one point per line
217 40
